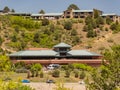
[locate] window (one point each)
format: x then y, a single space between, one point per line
75 16
68 12
67 16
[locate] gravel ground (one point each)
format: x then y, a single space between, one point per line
45 86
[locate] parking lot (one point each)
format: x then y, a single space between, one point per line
46 86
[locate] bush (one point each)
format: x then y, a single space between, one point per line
56 73
91 34
19 65
76 73
13 86
70 66
41 74
101 48
88 46
82 75
106 29
67 72
64 67
73 32
80 66
108 21
110 40
45 22
68 25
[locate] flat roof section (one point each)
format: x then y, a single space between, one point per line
82 53
35 53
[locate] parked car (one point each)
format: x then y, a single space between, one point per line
50 81
81 82
25 81
53 66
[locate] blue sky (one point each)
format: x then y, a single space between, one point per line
34 6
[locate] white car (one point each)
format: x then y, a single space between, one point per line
81 82
53 66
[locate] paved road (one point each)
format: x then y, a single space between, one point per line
45 86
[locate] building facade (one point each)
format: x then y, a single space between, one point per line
80 13
65 14
60 54
50 16
114 17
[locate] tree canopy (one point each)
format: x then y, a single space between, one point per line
73 6
107 77
42 12
6 9
12 10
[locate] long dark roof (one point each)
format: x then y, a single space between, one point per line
35 53
53 53
41 53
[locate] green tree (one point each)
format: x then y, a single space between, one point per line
107 77
19 65
82 75
42 12
91 34
73 6
76 73
108 21
10 85
88 20
35 69
96 13
68 25
36 38
67 73
14 38
6 9
13 10
99 21
113 26
56 73
73 32
5 64
45 22
41 74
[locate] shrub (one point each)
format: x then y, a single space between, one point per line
13 86
76 73
56 73
73 32
64 67
91 34
67 73
88 46
45 22
110 40
70 66
19 65
101 48
106 29
82 75
108 21
68 25
41 74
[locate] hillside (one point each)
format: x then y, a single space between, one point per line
18 33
